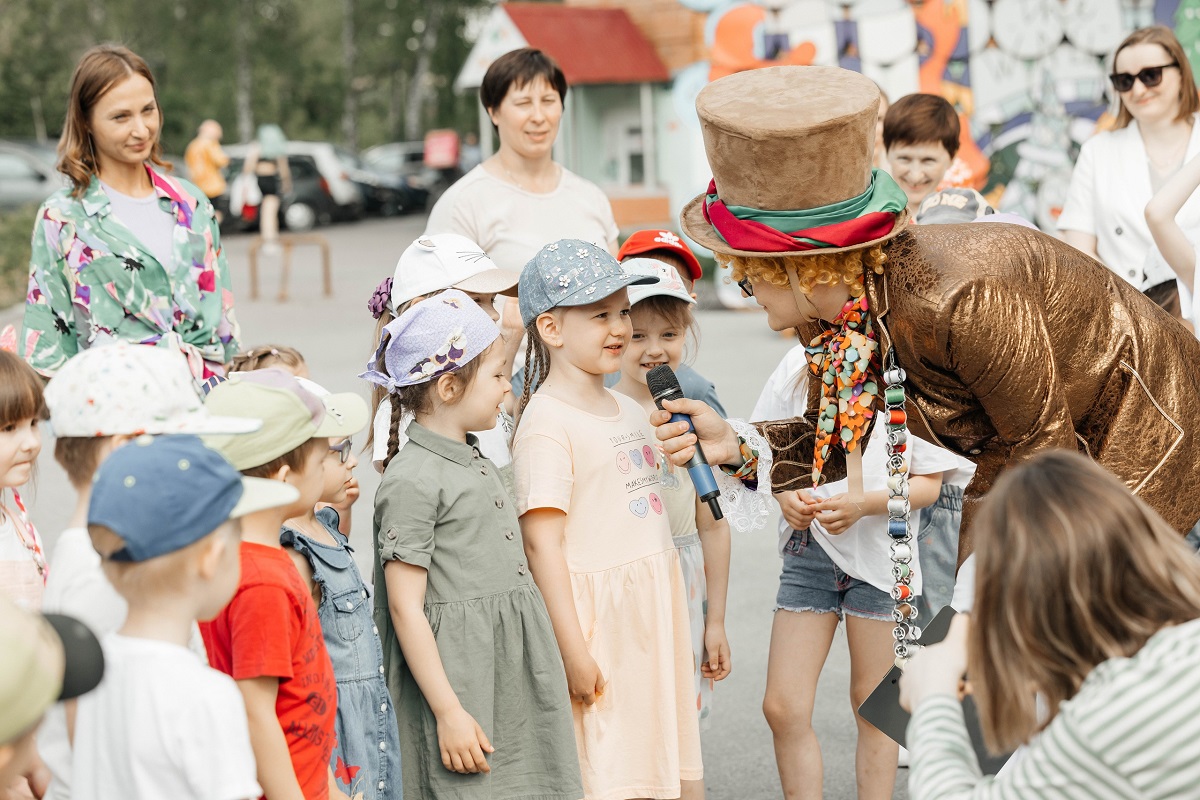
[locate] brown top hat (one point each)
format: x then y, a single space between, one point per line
787 139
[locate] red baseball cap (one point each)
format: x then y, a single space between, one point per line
650 240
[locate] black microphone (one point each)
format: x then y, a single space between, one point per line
664 385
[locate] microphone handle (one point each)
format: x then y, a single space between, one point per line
701 473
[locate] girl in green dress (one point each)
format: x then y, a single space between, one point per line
469 652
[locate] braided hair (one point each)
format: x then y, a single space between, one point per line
378 393
267 355
393 444
537 367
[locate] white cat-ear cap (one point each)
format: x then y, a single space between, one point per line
444 261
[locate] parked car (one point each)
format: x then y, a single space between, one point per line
322 191
398 159
406 161
27 174
385 195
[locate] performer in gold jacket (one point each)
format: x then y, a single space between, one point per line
1012 342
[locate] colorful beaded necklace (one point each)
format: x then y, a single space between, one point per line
845 358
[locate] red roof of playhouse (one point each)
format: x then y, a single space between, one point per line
592 45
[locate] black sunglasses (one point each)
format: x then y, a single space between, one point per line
1150 77
747 287
343 449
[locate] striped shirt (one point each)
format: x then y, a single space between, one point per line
1132 731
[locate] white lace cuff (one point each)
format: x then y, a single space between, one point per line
746 509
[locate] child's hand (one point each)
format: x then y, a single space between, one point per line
837 514
798 508
584 679
463 743
716 647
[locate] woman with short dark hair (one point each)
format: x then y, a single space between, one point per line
126 252
520 199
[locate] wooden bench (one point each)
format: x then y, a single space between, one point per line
289 241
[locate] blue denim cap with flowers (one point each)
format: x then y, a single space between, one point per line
570 272
438 335
163 493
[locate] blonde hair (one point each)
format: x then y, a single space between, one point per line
267 355
165 575
1071 570
820 269
537 367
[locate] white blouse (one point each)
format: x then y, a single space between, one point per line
1110 188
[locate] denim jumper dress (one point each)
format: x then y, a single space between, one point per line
366 758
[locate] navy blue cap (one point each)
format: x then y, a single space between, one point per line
163 493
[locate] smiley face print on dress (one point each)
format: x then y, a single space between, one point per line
639 507
656 503
623 463
636 457
648 454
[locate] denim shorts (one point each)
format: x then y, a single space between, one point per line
937 555
812 582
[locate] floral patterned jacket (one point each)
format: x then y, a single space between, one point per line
92 280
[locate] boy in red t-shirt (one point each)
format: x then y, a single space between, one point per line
268 638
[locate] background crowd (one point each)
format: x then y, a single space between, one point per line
546 611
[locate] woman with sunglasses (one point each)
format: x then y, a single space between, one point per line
1118 171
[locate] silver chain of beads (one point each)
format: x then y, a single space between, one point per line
903 566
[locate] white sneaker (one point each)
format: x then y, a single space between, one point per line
903 762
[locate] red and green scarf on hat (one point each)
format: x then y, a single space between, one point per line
869 216
844 358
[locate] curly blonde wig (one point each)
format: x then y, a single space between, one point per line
847 267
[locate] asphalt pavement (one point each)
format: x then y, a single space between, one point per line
737 352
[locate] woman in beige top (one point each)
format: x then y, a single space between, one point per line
520 199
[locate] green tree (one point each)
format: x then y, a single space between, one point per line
356 71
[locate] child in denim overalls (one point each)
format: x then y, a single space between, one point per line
366 758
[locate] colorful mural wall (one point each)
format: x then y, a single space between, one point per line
1028 77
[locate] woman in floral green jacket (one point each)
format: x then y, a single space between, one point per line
126 252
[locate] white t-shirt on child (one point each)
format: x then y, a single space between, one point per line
162 724
864 550
78 588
